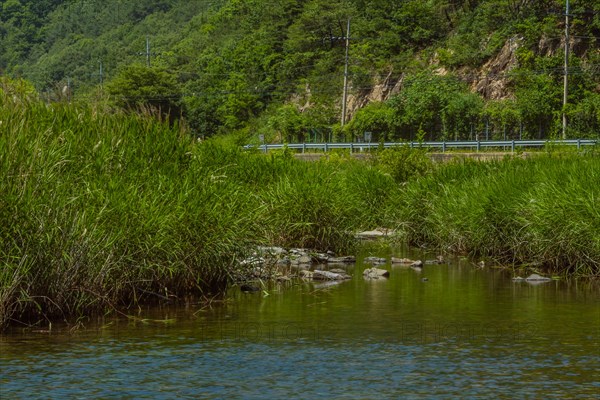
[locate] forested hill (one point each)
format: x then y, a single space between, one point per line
416 68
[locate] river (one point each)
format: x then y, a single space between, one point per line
451 330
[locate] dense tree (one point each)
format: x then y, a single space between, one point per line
228 65
139 87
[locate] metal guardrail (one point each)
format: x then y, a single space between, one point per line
444 145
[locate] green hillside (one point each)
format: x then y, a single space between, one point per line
431 69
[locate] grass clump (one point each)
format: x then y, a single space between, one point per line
107 211
543 210
103 212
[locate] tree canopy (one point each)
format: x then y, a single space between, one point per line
450 68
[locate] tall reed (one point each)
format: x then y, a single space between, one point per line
543 211
101 211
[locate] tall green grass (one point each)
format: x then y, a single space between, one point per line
101 212
543 211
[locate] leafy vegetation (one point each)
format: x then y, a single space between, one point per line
102 211
455 69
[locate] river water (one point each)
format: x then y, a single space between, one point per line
460 332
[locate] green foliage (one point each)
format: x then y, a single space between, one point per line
377 118
437 104
228 66
542 210
289 124
403 163
139 87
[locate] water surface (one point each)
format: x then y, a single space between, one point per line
462 332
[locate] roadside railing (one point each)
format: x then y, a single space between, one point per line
442 145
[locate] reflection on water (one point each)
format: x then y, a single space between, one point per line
465 332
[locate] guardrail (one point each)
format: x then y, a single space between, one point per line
444 145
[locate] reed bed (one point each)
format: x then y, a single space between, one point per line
101 212
104 212
543 211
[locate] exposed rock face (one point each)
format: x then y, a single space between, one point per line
492 81
381 91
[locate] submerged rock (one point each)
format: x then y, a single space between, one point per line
376 273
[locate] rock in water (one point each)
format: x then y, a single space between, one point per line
375 260
375 273
247 288
537 278
342 260
404 261
319 275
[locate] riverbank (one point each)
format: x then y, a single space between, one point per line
103 211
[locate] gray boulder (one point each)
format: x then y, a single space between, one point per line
402 261
375 260
537 278
375 273
320 275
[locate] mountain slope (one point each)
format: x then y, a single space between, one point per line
443 69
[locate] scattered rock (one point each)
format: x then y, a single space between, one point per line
302 260
537 278
338 271
438 260
283 261
248 288
374 260
305 274
424 279
417 265
320 275
252 261
374 234
321 257
533 279
375 273
403 261
271 251
342 260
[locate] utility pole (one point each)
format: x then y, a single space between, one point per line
148 51
345 95
566 85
